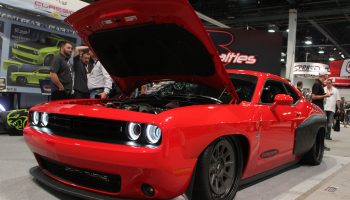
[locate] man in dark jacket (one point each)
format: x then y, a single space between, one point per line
81 67
318 95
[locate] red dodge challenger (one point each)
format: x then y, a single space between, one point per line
200 130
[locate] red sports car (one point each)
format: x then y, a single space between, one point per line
200 131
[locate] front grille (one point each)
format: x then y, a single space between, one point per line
85 128
25 50
25 58
82 177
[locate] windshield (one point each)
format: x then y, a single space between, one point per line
183 89
49 41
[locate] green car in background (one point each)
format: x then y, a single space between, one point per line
34 77
39 52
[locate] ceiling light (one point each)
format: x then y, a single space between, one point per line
339 52
282 60
342 56
272 28
287 30
321 50
335 49
308 40
331 59
283 54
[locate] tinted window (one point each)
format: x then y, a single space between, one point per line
44 71
270 90
244 85
292 93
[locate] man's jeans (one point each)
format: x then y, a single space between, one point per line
330 119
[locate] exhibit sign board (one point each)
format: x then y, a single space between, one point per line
340 72
248 50
59 9
308 69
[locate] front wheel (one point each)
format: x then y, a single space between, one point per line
315 154
21 80
48 60
219 170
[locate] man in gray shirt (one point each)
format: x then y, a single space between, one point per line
99 81
61 73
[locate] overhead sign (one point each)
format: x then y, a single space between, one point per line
249 50
308 69
340 72
59 9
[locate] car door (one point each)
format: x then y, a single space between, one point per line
276 134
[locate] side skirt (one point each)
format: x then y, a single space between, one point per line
268 174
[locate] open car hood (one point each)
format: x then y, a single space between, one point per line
140 41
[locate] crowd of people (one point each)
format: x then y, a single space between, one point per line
84 78
328 99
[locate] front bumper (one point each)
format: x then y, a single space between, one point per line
27 57
163 168
58 186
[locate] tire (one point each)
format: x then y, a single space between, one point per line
48 59
218 172
315 155
21 80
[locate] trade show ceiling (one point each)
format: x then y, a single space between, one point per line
327 22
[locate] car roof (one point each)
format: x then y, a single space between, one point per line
263 75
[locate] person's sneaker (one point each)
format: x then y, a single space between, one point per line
327 148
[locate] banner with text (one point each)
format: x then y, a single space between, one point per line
248 50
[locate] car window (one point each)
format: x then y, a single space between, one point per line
291 92
44 71
244 85
270 90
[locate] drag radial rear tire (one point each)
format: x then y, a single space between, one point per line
315 154
218 171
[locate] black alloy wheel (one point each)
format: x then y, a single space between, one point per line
48 59
315 155
21 80
218 171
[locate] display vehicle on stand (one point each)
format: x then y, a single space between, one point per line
201 134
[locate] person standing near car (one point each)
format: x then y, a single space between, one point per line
318 95
329 106
99 81
81 66
61 73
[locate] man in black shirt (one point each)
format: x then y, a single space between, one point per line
61 73
81 67
318 94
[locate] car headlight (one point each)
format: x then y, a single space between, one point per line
153 134
44 119
35 118
134 131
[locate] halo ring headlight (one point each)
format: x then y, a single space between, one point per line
44 119
153 134
134 131
35 118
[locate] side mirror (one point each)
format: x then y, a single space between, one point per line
283 100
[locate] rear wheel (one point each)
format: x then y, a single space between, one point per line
315 155
218 171
21 80
48 60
